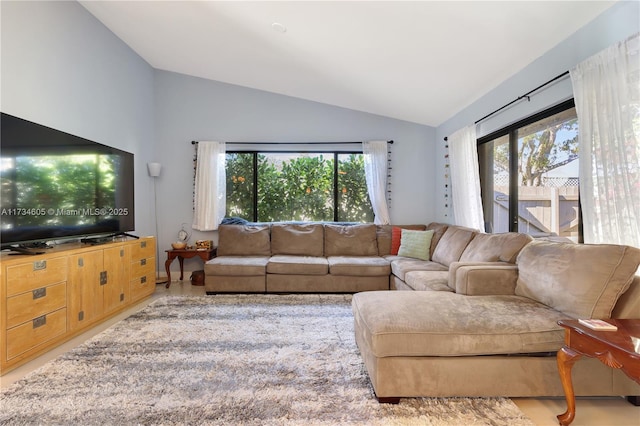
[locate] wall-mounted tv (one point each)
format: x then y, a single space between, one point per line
54 185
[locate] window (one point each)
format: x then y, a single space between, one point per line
529 175
285 186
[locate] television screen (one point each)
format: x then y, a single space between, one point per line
55 185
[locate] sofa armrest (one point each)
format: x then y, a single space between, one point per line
483 278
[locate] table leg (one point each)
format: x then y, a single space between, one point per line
167 265
181 260
566 358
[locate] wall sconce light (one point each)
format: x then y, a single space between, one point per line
154 169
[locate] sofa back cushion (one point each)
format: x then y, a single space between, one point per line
495 247
580 280
350 240
452 244
244 240
297 239
438 231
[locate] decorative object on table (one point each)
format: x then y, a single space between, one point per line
204 244
179 245
183 235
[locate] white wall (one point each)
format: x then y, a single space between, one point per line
612 26
189 108
62 68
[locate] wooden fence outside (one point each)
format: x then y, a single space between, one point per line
542 211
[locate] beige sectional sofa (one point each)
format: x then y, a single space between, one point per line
476 317
490 329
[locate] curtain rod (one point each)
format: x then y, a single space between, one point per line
291 143
526 95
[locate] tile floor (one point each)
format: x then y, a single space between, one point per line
542 411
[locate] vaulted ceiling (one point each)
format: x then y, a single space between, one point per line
420 61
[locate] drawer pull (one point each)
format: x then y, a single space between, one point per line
121 253
143 244
143 262
80 262
143 280
103 278
40 321
39 293
39 265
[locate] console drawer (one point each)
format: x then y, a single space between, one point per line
38 273
143 286
38 302
143 267
33 333
143 248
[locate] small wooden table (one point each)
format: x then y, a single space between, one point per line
616 349
183 254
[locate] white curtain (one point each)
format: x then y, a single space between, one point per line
465 179
210 187
376 170
606 89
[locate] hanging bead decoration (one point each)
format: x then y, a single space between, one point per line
389 176
447 179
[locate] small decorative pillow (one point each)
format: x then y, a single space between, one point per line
416 244
396 236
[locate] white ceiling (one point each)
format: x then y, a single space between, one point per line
420 61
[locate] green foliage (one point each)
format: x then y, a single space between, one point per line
353 198
297 188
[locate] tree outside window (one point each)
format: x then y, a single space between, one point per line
271 187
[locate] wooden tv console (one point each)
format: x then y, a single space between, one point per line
47 299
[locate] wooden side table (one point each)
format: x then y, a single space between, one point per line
186 254
617 349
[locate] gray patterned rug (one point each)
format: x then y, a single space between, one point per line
229 360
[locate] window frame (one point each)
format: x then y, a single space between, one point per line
335 154
512 132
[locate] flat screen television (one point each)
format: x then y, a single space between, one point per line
56 186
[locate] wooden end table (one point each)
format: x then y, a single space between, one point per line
204 254
613 348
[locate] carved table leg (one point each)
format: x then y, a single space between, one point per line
566 358
181 260
167 265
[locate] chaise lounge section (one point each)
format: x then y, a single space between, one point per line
498 337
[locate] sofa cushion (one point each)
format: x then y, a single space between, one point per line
495 247
297 239
427 280
438 323
350 240
365 266
452 244
297 265
416 244
244 240
401 265
438 231
581 280
236 265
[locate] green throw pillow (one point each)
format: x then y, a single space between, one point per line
415 244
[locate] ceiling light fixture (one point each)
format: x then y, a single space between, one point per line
277 26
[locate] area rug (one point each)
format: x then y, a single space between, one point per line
229 360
